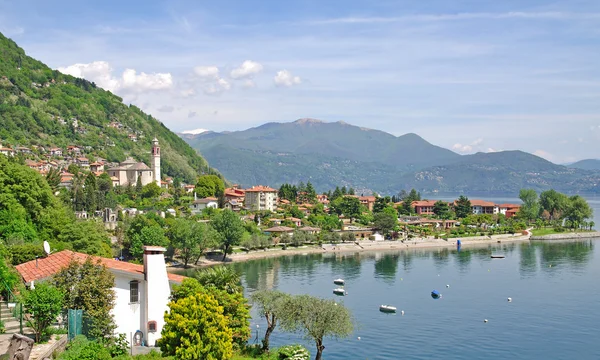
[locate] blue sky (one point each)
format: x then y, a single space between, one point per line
467 75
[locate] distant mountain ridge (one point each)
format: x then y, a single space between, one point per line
587 164
332 154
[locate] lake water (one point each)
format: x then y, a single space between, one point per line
554 314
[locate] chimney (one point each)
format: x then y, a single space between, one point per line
158 292
195 198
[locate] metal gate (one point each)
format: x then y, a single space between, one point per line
75 321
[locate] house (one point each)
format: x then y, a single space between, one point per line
129 171
483 207
56 152
200 204
235 193
504 208
233 205
323 199
261 198
367 201
164 184
72 149
83 162
377 237
96 167
81 214
141 291
297 222
66 180
424 207
32 164
23 150
132 137
310 230
280 230
189 188
6 151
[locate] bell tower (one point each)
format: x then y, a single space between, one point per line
156 161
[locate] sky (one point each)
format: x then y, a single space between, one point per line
468 75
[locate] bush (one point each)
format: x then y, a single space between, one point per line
559 229
2 328
83 349
293 352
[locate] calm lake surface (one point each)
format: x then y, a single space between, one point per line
554 314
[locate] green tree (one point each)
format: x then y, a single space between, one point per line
91 193
151 191
230 228
381 203
235 307
270 305
89 286
348 237
554 203
337 193
385 222
88 237
138 186
530 208
316 319
196 329
407 200
220 277
441 209
189 238
578 210
43 304
350 207
463 207
53 179
9 279
153 235
209 185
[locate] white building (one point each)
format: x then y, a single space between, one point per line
200 204
141 291
261 198
129 170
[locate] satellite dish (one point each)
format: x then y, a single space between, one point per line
46 248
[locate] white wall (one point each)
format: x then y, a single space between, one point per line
159 292
129 317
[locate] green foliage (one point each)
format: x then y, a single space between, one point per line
348 206
407 199
29 115
270 304
88 237
578 211
43 304
530 208
195 328
256 241
151 191
385 222
189 238
441 209
331 237
80 348
463 207
288 192
348 237
25 252
554 203
209 185
9 279
89 286
316 318
220 277
230 228
152 235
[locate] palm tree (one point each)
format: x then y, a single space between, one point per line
220 277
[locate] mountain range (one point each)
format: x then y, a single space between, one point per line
43 108
331 154
587 164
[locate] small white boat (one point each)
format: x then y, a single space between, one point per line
339 281
339 291
387 308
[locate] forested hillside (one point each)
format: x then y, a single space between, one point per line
43 108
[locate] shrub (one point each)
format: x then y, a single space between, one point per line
293 352
83 349
2 328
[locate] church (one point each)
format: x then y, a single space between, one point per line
129 170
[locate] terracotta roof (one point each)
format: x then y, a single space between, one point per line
308 228
96 164
190 186
367 198
509 206
279 229
482 203
261 188
54 263
294 219
424 203
6 149
205 200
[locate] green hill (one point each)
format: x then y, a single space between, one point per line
41 107
336 154
588 164
327 154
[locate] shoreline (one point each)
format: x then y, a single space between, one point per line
567 236
365 246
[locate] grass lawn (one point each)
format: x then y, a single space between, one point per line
550 231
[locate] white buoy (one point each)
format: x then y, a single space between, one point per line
402 312
485 320
447 286
359 338
509 299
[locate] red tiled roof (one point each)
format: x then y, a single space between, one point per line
261 188
509 206
52 264
482 203
367 198
424 203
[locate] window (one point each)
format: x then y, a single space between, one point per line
151 326
134 295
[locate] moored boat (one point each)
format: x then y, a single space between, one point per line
497 256
436 294
387 308
339 281
339 291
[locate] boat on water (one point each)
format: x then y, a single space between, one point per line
339 281
498 256
387 308
339 291
436 294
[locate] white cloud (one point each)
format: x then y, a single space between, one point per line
474 146
217 87
249 84
248 69
462 148
285 78
166 108
544 154
207 72
101 73
188 92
